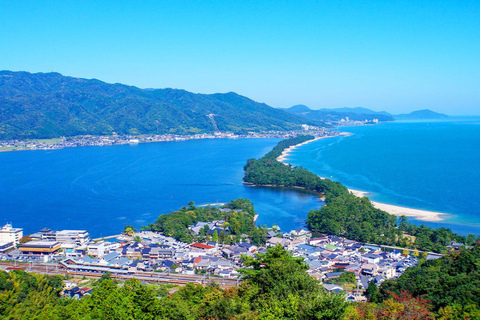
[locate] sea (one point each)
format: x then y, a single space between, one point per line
431 165
102 189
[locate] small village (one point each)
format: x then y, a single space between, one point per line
152 256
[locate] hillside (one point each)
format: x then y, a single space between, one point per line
421 114
338 114
47 105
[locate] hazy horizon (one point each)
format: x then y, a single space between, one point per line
393 56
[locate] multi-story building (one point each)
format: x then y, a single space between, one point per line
9 234
96 249
79 238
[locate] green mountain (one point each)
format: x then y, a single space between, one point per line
422 114
46 105
338 114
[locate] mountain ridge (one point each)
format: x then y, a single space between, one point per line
48 105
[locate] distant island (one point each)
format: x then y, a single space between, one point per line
421 114
50 105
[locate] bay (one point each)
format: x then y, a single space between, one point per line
102 189
430 165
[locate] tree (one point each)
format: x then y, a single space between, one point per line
222 237
279 287
372 292
137 239
215 236
415 253
277 272
129 230
25 239
470 240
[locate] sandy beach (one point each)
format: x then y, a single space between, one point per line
418 214
285 152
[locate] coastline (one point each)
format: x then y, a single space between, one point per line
419 214
423 215
281 158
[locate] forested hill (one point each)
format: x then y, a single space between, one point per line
46 105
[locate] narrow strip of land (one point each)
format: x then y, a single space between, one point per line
424 215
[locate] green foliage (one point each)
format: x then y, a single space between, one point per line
279 287
240 220
447 282
346 278
372 293
45 105
129 230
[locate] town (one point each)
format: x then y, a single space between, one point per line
120 139
340 264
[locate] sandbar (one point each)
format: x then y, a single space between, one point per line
418 214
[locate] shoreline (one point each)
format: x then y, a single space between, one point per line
418 214
281 158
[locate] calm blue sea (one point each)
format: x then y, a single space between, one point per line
431 165
102 189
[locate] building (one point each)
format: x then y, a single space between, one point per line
5 246
40 247
96 249
78 237
9 234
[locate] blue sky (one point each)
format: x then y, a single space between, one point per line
386 55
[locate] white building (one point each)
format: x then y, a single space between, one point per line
96 249
9 234
78 237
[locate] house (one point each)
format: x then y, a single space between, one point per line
371 258
6 246
369 269
317 241
202 248
271 234
273 241
333 275
76 292
96 249
201 225
333 288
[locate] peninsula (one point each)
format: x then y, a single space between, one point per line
395 210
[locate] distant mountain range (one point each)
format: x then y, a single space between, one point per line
46 105
359 114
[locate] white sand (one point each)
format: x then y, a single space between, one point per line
285 152
418 214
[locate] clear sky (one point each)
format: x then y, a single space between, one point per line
385 55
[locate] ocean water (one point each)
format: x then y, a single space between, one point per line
432 165
102 189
